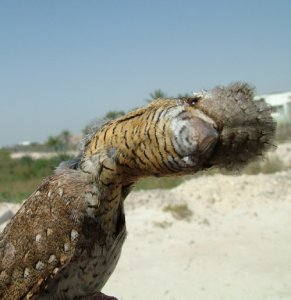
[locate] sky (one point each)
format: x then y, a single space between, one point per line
64 63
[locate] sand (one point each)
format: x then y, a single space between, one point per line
236 245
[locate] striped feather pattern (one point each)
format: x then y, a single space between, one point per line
162 139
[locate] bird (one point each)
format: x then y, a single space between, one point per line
67 237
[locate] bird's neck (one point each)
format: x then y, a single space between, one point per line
110 188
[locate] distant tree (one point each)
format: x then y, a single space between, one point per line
65 136
156 94
183 95
160 94
86 129
114 114
111 115
59 143
54 143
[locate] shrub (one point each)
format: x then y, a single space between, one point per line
179 211
19 177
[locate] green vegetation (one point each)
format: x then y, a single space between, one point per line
60 143
113 114
156 94
19 177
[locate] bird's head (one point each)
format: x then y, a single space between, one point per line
223 127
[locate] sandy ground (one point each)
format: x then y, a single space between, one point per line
235 245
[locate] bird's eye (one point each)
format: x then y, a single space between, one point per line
194 100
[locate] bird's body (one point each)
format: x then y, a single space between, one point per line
66 239
69 251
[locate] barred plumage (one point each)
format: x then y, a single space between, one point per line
66 239
157 140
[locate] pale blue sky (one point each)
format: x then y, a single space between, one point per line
64 63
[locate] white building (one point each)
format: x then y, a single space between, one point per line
281 104
24 143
